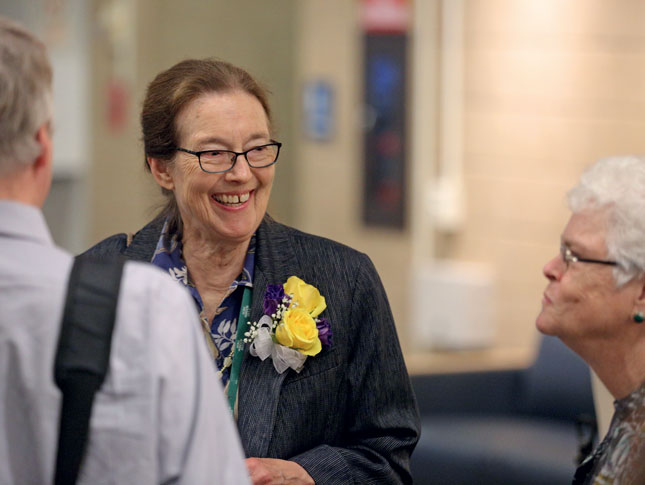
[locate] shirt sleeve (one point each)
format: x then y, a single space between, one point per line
198 440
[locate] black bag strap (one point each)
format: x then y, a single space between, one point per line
83 354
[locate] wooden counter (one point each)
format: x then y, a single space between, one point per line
434 362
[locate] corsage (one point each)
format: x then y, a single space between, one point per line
290 329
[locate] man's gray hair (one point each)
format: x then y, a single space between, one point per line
617 184
25 94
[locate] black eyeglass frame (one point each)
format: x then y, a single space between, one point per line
234 156
568 257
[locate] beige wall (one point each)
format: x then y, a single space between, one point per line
548 87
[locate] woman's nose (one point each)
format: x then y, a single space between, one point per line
554 268
241 170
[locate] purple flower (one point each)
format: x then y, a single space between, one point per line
324 332
272 298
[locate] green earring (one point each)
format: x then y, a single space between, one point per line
638 317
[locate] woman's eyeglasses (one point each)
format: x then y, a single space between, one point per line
569 257
218 161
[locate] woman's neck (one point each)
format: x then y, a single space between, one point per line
619 363
214 265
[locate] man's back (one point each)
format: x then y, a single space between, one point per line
159 416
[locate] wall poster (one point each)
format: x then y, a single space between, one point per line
385 89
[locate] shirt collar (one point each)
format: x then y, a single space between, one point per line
23 221
168 256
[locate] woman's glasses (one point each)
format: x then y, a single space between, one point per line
569 257
218 161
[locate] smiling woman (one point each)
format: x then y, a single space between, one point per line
268 294
224 207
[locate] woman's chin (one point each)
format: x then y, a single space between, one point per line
545 325
239 232
235 226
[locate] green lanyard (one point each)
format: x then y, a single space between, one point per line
242 327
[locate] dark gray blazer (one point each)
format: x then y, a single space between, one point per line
350 415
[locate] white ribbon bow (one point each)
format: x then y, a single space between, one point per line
283 357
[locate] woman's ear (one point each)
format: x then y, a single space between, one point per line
160 172
639 303
641 287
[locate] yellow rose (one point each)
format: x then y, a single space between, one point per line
306 296
298 331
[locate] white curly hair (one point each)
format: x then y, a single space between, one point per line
617 184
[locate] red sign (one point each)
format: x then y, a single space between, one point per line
117 105
385 16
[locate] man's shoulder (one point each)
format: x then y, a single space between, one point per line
151 304
144 277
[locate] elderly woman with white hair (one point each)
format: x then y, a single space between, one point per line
595 303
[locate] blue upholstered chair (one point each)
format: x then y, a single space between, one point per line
517 426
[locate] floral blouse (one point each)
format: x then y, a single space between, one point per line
220 332
620 457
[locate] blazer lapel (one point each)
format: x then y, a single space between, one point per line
260 383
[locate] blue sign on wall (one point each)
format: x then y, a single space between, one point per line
318 110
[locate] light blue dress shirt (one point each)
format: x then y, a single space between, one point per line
160 416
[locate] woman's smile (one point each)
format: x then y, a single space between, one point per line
232 200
